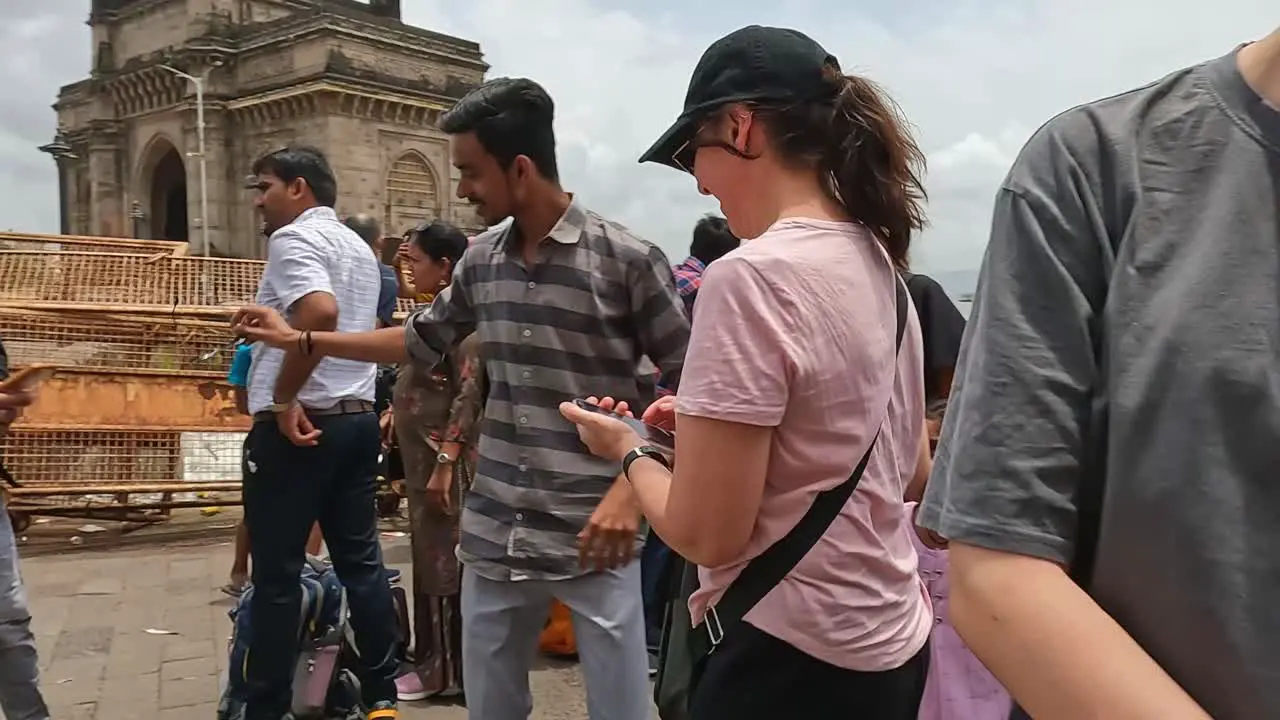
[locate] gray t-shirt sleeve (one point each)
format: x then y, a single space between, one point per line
1009 459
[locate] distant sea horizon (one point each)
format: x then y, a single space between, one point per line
959 284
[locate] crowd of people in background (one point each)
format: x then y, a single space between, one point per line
872 510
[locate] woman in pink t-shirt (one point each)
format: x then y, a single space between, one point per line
792 373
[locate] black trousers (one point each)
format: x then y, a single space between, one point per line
286 489
755 676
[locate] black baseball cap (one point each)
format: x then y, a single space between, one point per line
752 64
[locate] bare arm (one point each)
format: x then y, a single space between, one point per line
384 345
425 337
1007 474
1059 654
719 465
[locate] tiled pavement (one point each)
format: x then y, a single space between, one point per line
92 611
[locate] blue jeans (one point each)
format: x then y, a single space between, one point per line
20 697
655 563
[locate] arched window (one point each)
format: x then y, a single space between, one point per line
412 196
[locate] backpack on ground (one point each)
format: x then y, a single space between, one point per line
324 685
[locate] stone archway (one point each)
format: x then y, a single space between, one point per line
169 197
162 192
412 193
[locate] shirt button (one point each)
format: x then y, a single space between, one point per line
532 284
524 420
526 374
520 517
524 468
526 332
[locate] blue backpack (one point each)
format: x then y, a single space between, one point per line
321 621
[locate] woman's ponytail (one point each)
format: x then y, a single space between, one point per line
861 144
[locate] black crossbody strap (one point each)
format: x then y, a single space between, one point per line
768 569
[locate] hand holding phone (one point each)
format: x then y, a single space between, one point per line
18 391
27 379
663 440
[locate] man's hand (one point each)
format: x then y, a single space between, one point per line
11 404
295 425
608 540
387 424
256 323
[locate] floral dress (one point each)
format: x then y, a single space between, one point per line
434 405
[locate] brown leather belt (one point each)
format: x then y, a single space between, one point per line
343 407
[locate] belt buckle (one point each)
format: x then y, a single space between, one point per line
715 631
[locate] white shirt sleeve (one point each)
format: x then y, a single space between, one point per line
296 266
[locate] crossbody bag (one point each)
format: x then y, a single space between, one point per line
685 648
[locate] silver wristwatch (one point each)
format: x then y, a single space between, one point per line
443 458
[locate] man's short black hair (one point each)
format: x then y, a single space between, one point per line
712 239
366 227
302 161
510 117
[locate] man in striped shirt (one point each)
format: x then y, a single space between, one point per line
564 304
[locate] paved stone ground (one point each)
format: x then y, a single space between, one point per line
92 611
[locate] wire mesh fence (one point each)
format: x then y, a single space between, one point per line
61 243
102 281
214 281
115 342
96 466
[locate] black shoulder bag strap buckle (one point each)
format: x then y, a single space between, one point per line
768 569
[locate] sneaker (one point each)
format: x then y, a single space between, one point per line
393 575
383 711
654 663
409 687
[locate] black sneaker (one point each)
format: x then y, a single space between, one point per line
654 664
383 711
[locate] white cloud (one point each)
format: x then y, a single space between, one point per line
975 77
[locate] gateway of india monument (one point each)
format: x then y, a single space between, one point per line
239 78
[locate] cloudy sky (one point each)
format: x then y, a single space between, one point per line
976 77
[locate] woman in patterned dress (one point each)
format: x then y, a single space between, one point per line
435 415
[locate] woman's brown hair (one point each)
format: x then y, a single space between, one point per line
860 143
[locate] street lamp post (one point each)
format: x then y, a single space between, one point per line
136 215
61 153
199 83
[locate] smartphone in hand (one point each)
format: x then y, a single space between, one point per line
663 440
28 378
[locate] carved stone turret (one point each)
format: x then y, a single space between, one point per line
345 75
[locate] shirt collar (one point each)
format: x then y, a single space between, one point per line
319 212
694 264
567 230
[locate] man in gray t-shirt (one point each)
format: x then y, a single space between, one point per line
1116 408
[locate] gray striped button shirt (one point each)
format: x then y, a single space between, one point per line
575 324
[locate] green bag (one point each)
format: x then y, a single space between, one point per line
685 648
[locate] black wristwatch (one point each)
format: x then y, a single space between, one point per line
650 452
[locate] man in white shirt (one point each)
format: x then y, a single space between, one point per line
313 451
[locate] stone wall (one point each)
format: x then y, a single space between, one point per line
146 27
365 89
